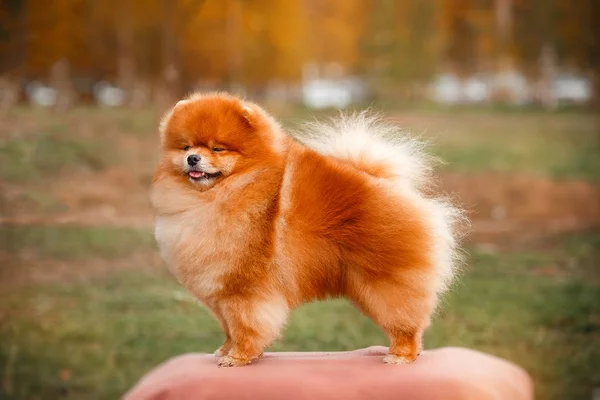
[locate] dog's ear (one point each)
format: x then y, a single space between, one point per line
249 114
165 119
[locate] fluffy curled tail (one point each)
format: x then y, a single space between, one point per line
379 149
386 151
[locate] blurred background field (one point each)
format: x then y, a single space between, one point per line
505 92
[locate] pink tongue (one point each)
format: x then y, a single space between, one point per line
195 174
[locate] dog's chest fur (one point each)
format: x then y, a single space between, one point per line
202 244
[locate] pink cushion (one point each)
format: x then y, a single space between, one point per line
447 373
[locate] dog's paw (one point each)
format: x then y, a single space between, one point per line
395 359
220 352
228 361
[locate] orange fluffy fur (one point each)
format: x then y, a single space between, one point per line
273 223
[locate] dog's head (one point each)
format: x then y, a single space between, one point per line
206 139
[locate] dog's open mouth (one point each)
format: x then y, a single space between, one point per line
199 175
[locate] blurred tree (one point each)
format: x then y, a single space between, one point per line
560 30
250 41
175 45
336 27
459 47
54 32
126 62
12 36
399 45
504 22
204 43
533 20
284 37
578 37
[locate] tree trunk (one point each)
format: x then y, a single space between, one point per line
548 69
169 89
60 79
235 56
126 71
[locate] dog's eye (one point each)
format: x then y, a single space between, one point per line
217 149
186 148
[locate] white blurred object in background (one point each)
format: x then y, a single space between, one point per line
108 95
447 89
39 94
325 93
571 88
476 90
328 86
512 87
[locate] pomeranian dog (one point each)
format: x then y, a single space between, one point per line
255 223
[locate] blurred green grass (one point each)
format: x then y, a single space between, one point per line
556 146
39 156
41 144
93 340
72 242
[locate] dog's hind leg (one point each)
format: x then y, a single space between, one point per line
403 312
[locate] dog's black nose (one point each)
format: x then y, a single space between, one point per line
193 160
